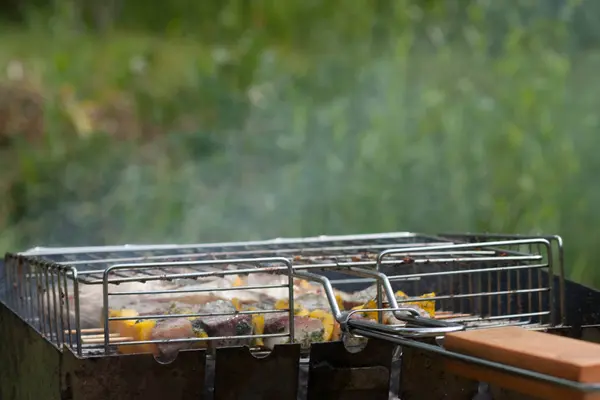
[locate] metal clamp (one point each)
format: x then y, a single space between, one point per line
423 327
405 331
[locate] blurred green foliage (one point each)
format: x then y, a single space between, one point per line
238 119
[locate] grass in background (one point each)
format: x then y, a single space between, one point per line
185 138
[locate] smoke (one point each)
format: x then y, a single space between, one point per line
399 140
351 154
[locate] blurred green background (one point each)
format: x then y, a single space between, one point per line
145 121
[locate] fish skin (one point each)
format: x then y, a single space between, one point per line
306 330
233 325
175 328
91 304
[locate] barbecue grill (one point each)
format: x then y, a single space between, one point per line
53 347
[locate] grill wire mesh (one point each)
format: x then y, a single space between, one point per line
477 280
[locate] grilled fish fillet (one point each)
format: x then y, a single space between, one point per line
91 301
313 319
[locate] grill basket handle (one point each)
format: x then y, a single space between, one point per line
421 327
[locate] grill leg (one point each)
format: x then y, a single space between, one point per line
239 375
334 373
29 365
423 377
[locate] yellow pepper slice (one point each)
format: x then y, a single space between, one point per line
283 304
428 305
328 322
371 304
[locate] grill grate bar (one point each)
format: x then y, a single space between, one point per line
105 256
304 264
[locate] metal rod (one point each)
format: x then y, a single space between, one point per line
291 251
389 252
68 318
39 251
320 266
206 290
188 275
474 295
46 284
195 315
195 339
40 299
329 293
77 309
57 329
465 271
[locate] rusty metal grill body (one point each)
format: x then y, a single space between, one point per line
480 281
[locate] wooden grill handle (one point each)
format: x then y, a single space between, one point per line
545 353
